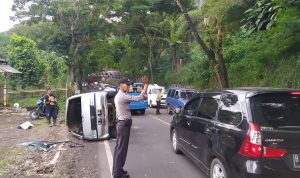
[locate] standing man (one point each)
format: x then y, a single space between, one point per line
51 107
124 122
158 100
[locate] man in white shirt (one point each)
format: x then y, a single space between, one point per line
124 122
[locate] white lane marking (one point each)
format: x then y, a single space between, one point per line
159 120
109 156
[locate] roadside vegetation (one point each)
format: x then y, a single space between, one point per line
59 42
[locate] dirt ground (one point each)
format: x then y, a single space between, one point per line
16 161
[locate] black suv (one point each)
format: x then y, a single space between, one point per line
241 133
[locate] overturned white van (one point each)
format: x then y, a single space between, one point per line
92 115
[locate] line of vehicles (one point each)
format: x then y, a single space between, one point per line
228 133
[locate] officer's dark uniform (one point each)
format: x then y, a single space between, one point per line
122 101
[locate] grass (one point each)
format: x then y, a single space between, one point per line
31 102
5 156
4 163
6 126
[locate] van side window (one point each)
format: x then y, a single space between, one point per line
169 93
172 93
191 108
176 94
208 108
230 110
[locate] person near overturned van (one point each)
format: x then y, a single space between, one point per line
51 107
124 122
158 100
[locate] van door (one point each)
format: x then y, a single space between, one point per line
189 114
94 115
88 111
203 133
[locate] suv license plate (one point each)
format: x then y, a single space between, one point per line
296 160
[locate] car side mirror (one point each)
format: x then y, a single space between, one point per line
177 110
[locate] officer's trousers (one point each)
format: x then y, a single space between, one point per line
121 148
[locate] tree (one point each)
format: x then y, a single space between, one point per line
215 56
22 53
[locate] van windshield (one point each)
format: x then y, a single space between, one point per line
187 94
279 111
136 88
154 91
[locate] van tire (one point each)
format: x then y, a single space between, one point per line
143 111
217 169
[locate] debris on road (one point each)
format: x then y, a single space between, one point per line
55 158
26 125
41 145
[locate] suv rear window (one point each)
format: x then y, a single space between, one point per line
279 111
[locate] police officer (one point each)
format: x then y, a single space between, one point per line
124 122
158 100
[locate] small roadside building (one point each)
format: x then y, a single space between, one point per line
5 69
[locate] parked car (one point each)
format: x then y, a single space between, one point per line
177 97
135 90
91 115
152 94
241 133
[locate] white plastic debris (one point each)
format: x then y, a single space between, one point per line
26 125
55 158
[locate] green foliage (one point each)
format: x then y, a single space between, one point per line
22 52
146 37
261 16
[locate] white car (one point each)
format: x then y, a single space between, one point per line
152 93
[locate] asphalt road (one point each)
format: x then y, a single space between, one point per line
150 153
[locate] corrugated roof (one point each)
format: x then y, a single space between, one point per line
8 69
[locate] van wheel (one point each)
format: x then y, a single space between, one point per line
217 169
169 111
142 111
175 142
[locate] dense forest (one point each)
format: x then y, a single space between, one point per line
63 41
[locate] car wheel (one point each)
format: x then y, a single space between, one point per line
217 169
169 111
175 142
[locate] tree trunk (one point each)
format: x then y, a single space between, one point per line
219 66
222 67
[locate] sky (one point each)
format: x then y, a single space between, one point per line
5 12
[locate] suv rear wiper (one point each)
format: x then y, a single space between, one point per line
288 127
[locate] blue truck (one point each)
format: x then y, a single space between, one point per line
135 89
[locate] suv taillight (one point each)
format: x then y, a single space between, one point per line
252 146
